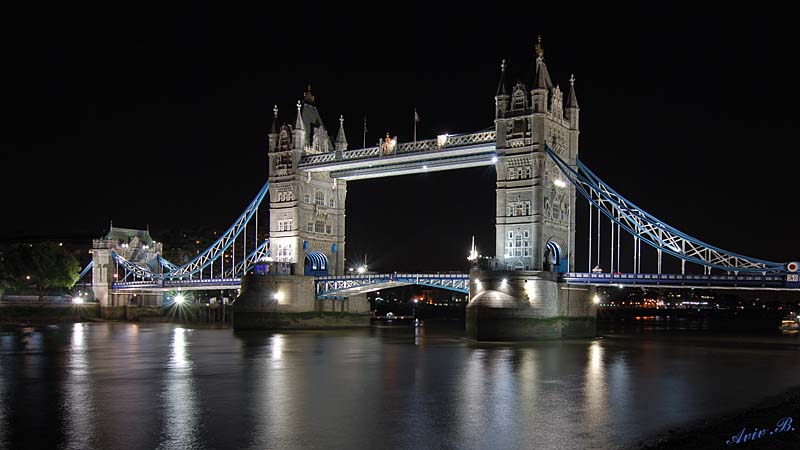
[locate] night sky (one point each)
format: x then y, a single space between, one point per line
159 114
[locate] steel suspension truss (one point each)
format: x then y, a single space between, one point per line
166 264
655 232
218 248
210 255
259 254
342 286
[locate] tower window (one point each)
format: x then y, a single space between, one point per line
319 198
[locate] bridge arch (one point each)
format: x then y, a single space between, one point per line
555 259
315 264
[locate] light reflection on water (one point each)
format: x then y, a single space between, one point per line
79 400
178 398
165 386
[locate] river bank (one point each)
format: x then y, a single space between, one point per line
767 418
771 424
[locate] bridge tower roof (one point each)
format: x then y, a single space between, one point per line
501 88
572 100
542 77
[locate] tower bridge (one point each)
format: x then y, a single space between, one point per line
532 287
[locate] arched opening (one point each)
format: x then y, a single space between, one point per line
553 259
315 264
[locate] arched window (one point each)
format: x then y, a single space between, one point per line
319 198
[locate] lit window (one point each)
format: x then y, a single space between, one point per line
319 198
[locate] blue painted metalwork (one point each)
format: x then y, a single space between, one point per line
85 270
339 287
653 231
775 281
316 264
261 253
166 264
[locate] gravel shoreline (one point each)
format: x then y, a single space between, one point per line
709 434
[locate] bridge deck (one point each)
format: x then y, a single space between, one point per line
761 282
451 152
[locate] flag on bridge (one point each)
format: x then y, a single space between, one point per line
416 116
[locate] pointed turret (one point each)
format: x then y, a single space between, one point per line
541 82
299 129
573 110
341 139
572 99
274 129
502 98
298 123
501 88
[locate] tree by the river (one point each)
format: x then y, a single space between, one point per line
41 266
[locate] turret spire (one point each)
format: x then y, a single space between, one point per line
341 139
539 49
274 129
299 122
501 89
572 100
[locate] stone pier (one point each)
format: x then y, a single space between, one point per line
528 305
286 302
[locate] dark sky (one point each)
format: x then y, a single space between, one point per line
158 114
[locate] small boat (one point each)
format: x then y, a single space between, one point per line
790 324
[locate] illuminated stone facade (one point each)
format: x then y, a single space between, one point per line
535 224
306 209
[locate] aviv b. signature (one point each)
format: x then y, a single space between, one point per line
784 425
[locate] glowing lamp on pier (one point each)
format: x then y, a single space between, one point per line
596 299
179 299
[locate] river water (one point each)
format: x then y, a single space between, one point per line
165 386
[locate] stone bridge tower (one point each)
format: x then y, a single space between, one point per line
535 224
520 297
307 210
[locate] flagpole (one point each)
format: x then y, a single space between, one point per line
364 143
415 124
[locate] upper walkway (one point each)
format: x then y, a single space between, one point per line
446 152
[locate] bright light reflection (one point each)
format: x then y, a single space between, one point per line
595 391
179 396
276 346
78 399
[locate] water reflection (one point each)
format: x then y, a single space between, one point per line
162 386
595 391
180 404
78 398
6 342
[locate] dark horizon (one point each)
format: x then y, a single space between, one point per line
161 119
